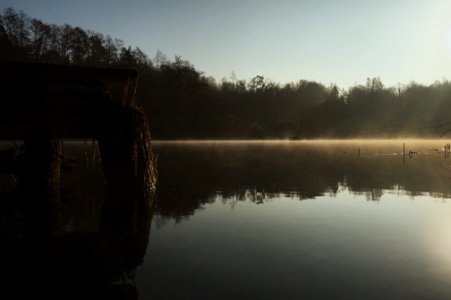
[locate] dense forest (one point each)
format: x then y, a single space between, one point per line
184 103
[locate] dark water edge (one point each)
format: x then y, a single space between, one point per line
82 241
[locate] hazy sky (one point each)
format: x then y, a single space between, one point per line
341 42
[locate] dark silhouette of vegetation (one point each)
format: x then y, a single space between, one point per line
184 103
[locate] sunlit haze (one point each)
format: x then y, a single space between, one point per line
341 42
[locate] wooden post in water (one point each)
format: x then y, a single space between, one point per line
403 153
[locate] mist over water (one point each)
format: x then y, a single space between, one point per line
305 168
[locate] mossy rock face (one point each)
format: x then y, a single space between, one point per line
44 104
126 152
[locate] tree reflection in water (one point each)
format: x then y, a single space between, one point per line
194 174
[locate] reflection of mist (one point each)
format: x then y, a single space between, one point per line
193 174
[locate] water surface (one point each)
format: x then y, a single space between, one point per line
241 220
291 220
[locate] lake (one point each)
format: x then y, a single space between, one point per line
292 220
254 220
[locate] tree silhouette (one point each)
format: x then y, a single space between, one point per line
182 102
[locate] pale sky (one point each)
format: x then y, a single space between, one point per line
328 41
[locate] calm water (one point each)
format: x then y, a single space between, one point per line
292 220
300 220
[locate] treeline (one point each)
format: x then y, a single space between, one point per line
184 103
